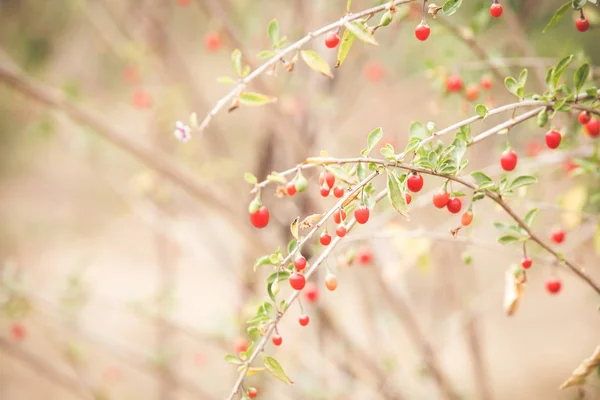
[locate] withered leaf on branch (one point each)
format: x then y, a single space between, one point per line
308 222
586 367
294 228
514 288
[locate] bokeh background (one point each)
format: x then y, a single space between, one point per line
126 255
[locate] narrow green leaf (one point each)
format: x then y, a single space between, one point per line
236 61
395 195
361 32
523 181
560 68
226 80
266 54
273 31
264 260
373 138
283 275
348 4
417 130
549 74
340 173
542 118
508 239
313 60
388 152
250 178
292 245
581 76
255 99
231 359
362 171
481 110
480 177
344 47
579 4
413 143
511 84
523 77
530 216
276 370
451 6
557 16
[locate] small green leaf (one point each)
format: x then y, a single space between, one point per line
395 195
362 171
560 68
523 77
511 84
340 173
348 5
236 61
273 31
255 99
314 61
548 79
373 138
283 275
451 6
581 76
478 196
557 16
523 181
225 80
418 130
231 359
530 216
246 71
361 32
480 177
264 260
508 239
579 4
292 245
266 54
276 370
542 118
345 46
388 152
250 178
412 144
481 110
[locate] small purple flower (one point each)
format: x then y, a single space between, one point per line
182 132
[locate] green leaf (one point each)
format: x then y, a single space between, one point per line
266 54
283 275
231 359
313 60
345 46
560 68
276 370
292 245
372 140
418 130
246 71
236 61
523 181
340 173
226 80
557 16
523 77
412 144
542 118
388 152
581 76
478 196
395 195
362 171
481 110
508 239
530 216
579 4
548 79
451 6
480 177
273 31
348 4
250 178
511 84
255 99
264 260
361 32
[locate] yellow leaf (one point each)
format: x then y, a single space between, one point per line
313 60
513 291
573 202
586 367
254 371
308 222
276 370
294 228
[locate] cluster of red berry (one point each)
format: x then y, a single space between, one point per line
455 84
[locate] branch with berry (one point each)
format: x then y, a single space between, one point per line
353 181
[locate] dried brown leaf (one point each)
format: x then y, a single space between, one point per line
294 228
308 222
280 192
351 199
586 367
514 288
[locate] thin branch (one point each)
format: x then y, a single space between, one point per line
261 344
508 124
238 89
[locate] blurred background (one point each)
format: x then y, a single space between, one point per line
126 255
